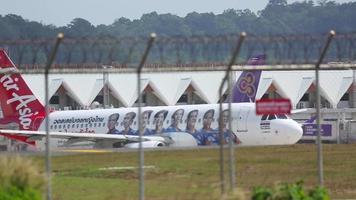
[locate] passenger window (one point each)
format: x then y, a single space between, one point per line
59 126
73 125
82 125
271 117
90 125
86 125
55 126
94 124
77 125
103 124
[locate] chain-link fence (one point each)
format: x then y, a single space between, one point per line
127 52
180 51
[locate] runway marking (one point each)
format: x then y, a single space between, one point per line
87 151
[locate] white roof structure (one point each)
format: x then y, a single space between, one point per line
334 85
169 87
289 84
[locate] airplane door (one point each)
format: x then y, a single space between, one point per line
242 116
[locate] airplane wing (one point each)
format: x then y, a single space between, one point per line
299 110
79 137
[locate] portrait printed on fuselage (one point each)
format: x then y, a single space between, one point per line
158 122
191 121
112 123
145 123
127 123
208 119
176 121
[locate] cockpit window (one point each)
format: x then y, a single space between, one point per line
271 117
264 117
282 116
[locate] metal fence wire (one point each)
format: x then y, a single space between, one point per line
179 51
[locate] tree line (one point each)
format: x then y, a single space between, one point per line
203 38
278 17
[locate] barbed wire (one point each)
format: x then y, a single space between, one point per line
180 51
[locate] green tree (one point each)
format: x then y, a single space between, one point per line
79 27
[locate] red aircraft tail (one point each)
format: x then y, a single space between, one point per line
20 108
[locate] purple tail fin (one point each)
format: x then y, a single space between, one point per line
245 88
311 120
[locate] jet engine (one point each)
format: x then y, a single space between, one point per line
145 144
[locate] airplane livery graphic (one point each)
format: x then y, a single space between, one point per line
184 125
246 86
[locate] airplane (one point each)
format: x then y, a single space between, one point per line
186 125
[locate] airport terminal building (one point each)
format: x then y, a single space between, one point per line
80 91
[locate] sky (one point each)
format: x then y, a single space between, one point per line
61 13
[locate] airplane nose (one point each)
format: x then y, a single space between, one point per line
295 132
289 131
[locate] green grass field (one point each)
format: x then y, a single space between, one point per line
194 174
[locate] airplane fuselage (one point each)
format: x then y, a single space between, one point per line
199 121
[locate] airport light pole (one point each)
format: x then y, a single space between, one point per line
106 92
227 79
141 153
48 152
318 102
